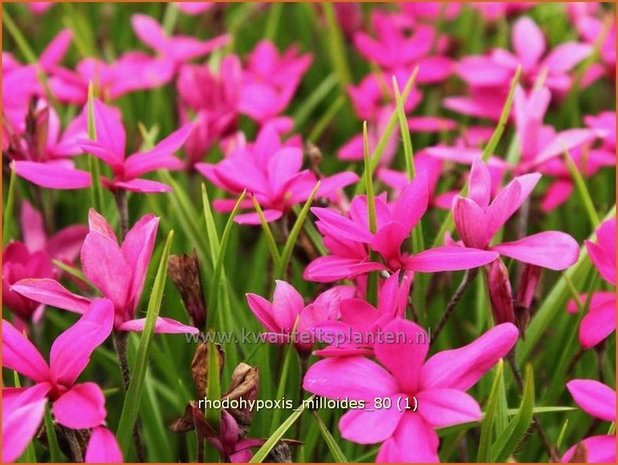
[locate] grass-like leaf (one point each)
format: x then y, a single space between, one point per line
56 455
506 442
96 190
333 447
274 438
290 242
270 239
9 204
130 408
583 191
488 425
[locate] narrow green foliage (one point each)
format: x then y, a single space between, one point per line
96 190
488 426
268 234
333 447
56 455
9 204
130 408
582 189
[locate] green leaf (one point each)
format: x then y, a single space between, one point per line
130 408
336 46
283 379
288 248
273 21
56 455
274 438
7 217
333 447
582 189
488 425
96 191
211 228
313 100
270 239
506 442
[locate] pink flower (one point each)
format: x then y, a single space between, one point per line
478 219
38 8
194 8
401 45
175 49
19 263
349 239
270 80
74 405
600 320
213 98
359 327
118 271
493 11
542 147
437 386
109 147
598 400
229 442
590 28
63 245
498 68
132 71
288 311
272 172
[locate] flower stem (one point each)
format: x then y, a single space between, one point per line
467 279
122 202
120 344
76 450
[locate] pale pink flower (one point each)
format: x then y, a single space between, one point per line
103 447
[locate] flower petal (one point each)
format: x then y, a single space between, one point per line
162 326
51 292
398 448
549 249
353 425
103 447
449 258
82 406
52 175
594 398
447 407
19 354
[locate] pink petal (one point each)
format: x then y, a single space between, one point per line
145 186
52 175
599 449
82 406
55 51
263 311
162 326
287 305
412 202
405 353
105 266
338 224
566 140
557 193
97 223
103 447
600 321
479 184
67 243
331 268
51 292
331 184
595 398
137 250
549 249
19 354
528 42
387 241
22 414
565 56
397 449
353 425
70 352
32 227
109 129
160 156
447 407
359 378
254 219
470 221
449 258
603 259
149 31
462 368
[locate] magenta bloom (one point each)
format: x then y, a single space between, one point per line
478 219
109 147
600 321
175 49
19 263
272 172
358 328
194 8
269 82
498 68
402 44
437 386
118 271
349 240
74 405
46 159
213 98
598 400
229 442
288 309
132 71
